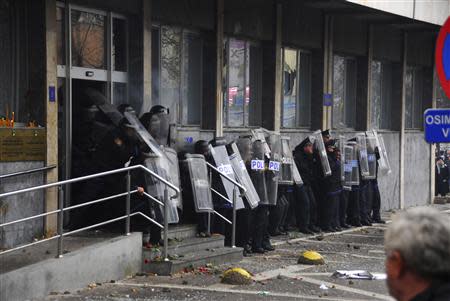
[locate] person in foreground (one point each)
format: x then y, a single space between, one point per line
417 245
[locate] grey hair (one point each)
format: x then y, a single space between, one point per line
422 236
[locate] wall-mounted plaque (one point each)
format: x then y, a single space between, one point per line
24 144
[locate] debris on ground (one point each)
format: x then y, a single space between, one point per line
323 287
358 274
311 258
236 276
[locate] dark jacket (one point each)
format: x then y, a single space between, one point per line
441 180
306 166
333 182
437 292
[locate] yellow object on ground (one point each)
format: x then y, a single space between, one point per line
311 258
236 276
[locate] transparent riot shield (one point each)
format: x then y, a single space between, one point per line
362 155
223 164
383 162
296 175
155 188
253 152
159 127
342 143
144 134
287 165
371 157
199 177
349 157
174 174
273 167
321 151
260 134
243 177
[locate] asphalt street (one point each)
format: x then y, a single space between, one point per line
277 276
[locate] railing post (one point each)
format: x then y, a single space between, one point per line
127 221
166 223
209 213
60 221
233 233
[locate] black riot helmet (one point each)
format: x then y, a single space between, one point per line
201 147
156 121
125 107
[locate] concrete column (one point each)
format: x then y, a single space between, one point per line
219 67
51 196
146 55
402 125
278 67
368 124
327 71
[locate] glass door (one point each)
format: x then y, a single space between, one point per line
92 52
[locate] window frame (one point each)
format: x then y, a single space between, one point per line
299 52
346 126
226 79
181 101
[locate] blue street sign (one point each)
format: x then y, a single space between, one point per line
437 125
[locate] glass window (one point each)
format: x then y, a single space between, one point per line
120 93
442 101
61 40
119 44
414 96
344 92
296 100
242 98
6 61
192 78
170 70
381 94
177 59
88 40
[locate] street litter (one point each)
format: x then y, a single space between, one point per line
323 287
358 274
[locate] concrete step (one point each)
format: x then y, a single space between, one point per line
194 244
182 232
35 272
194 259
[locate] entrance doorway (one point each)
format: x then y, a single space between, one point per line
92 53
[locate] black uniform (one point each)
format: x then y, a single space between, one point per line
330 211
307 207
441 180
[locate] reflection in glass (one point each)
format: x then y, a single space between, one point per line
61 36
338 91
170 69
119 45
375 102
409 98
304 103
88 40
192 78
350 93
289 88
237 75
120 93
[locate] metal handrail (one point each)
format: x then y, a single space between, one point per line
96 175
226 177
127 216
233 202
26 172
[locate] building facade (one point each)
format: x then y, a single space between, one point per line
223 67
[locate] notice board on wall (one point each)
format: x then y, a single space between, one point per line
22 144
